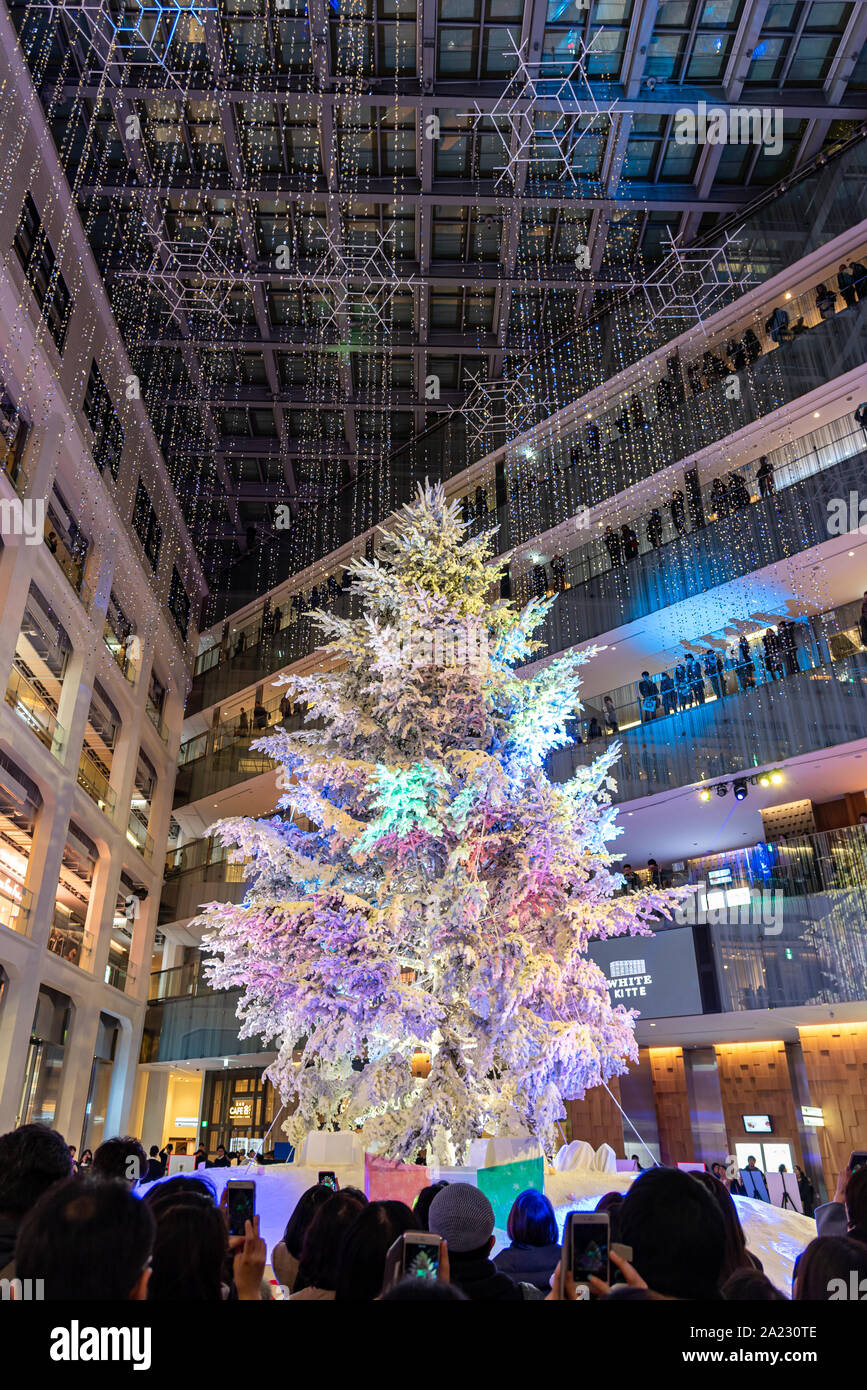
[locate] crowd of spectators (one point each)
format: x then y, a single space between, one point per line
92 1234
773 655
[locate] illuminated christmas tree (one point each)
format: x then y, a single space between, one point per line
444 894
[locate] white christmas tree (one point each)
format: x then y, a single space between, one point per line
432 889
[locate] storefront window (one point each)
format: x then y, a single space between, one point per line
238 1109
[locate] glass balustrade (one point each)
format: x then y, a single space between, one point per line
34 709
15 904
138 836
200 1024
256 722
68 937
788 466
771 707
178 982
95 782
121 648
119 976
156 718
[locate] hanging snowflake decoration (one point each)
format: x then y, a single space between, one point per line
692 283
544 114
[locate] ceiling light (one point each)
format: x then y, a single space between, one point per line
722 788
704 794
740 789
764 779
776 777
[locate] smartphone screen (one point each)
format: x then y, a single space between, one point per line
421 1259
241 1203
328 1179
589 1250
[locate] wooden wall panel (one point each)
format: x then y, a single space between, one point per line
754 1080
835 1057
672 1105
596 1118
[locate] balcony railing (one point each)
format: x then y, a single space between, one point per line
210 773
783 713
816 642
199 872
68 938
15 905
789 466
178 982
156 718
95 783
256 723
138 836
119 648
200 1024
119 976
72 563
34 710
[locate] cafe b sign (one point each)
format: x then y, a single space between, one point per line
241 1111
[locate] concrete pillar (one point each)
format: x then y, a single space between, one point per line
74 703
77 1069
16 561
104 909
16 1026
100 911
120 1096
41 457
707 1119
43 868
153 1129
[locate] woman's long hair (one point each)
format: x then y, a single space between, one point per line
189 1251
735 1255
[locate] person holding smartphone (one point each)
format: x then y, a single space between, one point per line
847 1213
464 1217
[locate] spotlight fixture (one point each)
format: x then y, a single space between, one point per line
776 777
721 789
740 789
764 779
704 794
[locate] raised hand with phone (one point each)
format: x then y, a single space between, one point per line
245 1243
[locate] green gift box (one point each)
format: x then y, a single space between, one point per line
502 1184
